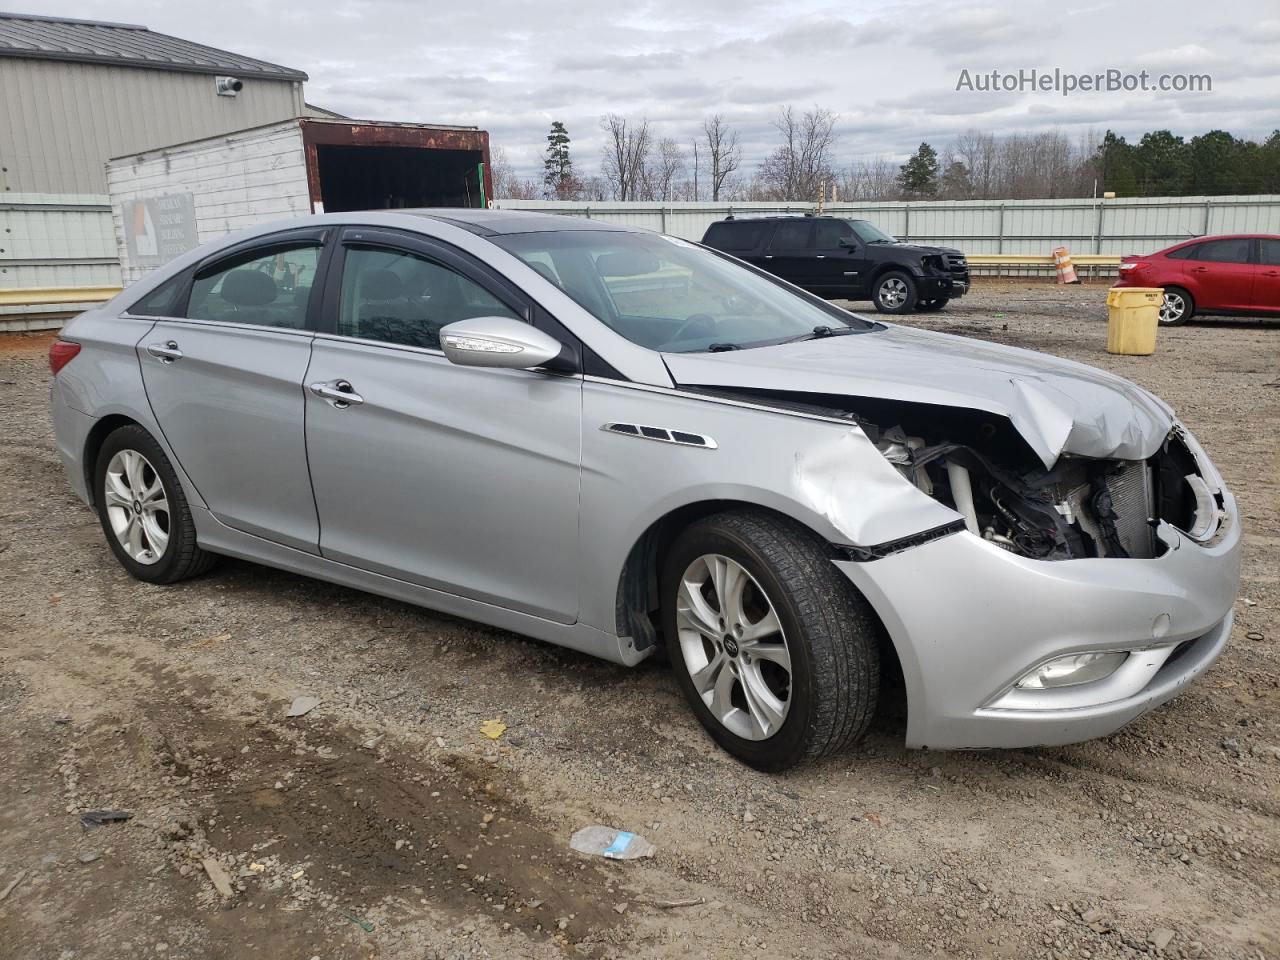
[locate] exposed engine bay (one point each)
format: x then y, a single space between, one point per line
978 464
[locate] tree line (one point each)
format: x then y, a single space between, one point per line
637 164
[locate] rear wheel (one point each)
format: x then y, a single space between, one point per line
1178 307
143 510
895 292
931 306
771 645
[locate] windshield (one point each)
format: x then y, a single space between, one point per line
671 295
868 232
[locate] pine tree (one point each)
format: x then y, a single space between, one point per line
558 166
919 175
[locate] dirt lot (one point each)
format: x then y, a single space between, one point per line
384 824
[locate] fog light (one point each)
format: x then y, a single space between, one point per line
1071 670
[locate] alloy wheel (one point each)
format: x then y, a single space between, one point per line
1172 309
734 647
893 293
137 506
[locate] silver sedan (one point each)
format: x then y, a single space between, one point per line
623 442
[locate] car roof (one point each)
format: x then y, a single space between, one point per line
1223 236
491 222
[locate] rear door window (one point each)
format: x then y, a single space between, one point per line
1226 250
263 289
1269 252
792 235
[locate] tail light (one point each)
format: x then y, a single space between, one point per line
1133 265
61 352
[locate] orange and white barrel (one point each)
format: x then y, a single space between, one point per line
1062 263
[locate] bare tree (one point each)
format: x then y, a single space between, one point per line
663 180
978 152
506 184
626 155
725 153
802 162
870 179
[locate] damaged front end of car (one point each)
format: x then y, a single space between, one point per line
978 464
1081 507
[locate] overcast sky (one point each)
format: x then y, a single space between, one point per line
889 70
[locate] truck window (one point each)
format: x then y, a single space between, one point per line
732 236
792 235
829 233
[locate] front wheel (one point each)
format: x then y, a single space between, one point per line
895 292
143 510
772 647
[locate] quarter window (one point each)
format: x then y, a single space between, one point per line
163 300
1226 250
397 297
269 290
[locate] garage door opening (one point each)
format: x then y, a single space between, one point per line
379 178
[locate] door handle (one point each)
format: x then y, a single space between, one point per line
768 256
820 256
1271 273
165 352
1199 269
339 393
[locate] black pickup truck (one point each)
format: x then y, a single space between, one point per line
842 259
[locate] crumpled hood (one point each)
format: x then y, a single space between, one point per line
1058 406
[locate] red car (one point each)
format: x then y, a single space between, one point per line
1236 275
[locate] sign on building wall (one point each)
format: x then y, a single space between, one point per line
157 229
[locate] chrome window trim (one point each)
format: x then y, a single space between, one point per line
221 324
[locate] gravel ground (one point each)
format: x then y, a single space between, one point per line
383 823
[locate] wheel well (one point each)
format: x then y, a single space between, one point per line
638 605
93 443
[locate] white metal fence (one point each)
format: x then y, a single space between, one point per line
54 240
1033 227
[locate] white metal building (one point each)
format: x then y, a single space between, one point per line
73 94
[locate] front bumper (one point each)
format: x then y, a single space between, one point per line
932 287
968 619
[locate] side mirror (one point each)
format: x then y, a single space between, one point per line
497 342
848 244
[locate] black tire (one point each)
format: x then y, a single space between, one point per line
932 306
831 636
181 557
894 292
1170 315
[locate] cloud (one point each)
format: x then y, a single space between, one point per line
887 68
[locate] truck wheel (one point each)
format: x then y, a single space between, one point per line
932 306
773 648
1178 307
895 292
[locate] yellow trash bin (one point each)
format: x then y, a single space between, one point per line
1133 315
